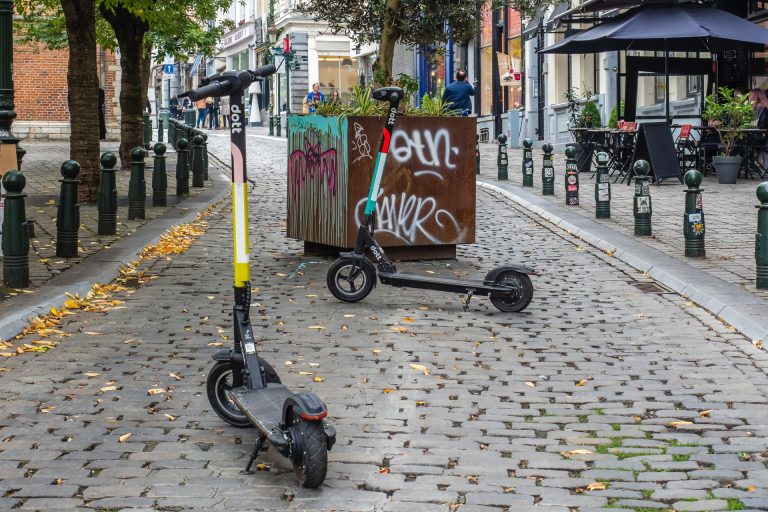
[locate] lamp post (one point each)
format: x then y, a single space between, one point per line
292 63
7 114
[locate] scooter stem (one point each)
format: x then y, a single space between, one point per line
381 158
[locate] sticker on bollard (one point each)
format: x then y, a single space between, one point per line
693 218
527 163
642 200
502 161
548 172
571 177
761 237
602 188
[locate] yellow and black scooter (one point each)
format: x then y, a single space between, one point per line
242 388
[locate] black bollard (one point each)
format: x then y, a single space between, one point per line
642 209
205 157
571 177
160 130
272 125
548 171
693 219
502 163
172 133
108 196
198 173
159 178
147 130
182 167
137 187
602 188
15 236
527 163
477 153
31 229
68 215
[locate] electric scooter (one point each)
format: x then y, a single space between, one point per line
243 389
352 277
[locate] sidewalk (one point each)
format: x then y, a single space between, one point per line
721 282
99 256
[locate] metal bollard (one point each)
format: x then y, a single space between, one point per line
602 188
477 154
182 168
527 163
160 130
205 157
31 228
277 125
108 196
159 177
642 201
147 130
137 187
272 125
68 214
189 117
501 161
571 177
693 219
761 237
548 171
15 234
198 172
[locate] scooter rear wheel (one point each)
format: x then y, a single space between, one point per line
309 454
351 279
218 386
522 291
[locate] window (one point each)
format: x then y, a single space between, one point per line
337 73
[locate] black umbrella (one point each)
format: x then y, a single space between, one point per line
686 28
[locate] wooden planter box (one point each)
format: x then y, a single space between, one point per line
427 201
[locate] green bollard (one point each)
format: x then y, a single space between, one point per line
198 173
137 187
182 168
15 234
548 171
172 133
159 178
272 125
571 177
527 163
693 219
68 214
277 125
160 130
147 130
189 117
477 154
642 202
602 188
502 162
761 237
205 157
108 196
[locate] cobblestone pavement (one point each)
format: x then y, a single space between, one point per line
605 394
41 167
729 211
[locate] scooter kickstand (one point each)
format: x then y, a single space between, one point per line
470 294
256 450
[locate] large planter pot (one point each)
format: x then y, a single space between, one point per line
727 168
427 197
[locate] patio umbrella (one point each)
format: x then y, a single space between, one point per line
682 27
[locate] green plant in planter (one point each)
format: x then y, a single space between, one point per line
730 114
590 115
363 104
582 112
613 122
435 107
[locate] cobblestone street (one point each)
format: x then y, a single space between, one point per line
607 393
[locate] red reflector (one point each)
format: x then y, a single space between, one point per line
385 145
315 417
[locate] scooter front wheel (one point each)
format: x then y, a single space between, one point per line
521 288
351 279
219 386
309 451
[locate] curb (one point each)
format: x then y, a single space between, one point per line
103 267
731 303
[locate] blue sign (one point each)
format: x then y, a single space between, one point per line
168 69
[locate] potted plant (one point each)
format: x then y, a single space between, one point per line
730 114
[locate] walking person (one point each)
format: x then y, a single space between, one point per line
213 114
456 95
224 106
202 112
173 105
314 98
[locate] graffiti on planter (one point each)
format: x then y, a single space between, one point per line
313 164
410 217
361 144
425 148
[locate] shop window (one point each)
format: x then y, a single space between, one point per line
337 73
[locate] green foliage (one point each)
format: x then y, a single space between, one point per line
363 104
590 115
582 112
435 107
730 114
613 122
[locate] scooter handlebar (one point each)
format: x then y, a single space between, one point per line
221 85
212 89
264 71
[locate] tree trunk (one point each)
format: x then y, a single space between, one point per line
382 68
129 32
146 70
83 97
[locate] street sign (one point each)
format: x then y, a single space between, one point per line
168 69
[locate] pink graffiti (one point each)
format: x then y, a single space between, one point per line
311 164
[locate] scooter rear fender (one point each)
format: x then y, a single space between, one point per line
490 278
307 405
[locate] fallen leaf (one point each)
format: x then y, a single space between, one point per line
420 368
211 297
383 470
349 316
123 438
155 391
50 202
314 365
376 351
473 479
91 375
705 414
387 390
508 490
288 363
398 328
531 384
582 382
318 379
420 403
408 319
758 344
676 424
571 453
596 486
171 418
108 388
216 344
91 333
262 467
318 327
752 488
306 373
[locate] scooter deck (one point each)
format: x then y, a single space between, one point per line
440 284
264 407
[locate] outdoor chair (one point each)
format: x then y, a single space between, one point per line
687 151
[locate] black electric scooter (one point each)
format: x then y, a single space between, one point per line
352 277
242 388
